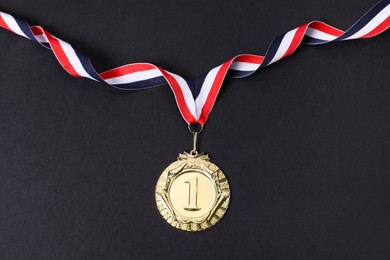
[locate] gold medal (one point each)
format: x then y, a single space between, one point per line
192 193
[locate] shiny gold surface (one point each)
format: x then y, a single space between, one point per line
192 193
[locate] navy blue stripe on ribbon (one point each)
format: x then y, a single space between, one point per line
143 84
272 49
46 45
25 29
238 73
312 41
191 86
364 20
86 63
199 83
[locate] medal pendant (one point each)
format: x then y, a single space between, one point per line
192 193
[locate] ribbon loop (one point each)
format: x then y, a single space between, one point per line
195 100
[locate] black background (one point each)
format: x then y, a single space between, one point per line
305 143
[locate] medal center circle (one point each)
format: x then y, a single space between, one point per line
192 194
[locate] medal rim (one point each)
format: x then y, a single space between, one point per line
202 164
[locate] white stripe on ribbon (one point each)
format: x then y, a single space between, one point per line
41 38
284 45
134 76
185 89
319 35
244 66
377 20
12 24
205 90
73 59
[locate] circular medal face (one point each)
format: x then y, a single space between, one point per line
192 194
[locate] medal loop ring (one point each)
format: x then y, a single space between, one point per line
191 128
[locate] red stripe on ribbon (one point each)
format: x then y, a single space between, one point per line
60 54
212 96
180 100
4 25
127 69
383 26
326 28
248 58
296 40
36 30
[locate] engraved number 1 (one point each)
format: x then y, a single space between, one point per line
192 195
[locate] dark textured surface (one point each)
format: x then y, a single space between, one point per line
305 143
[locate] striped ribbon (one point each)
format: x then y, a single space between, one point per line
196 99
